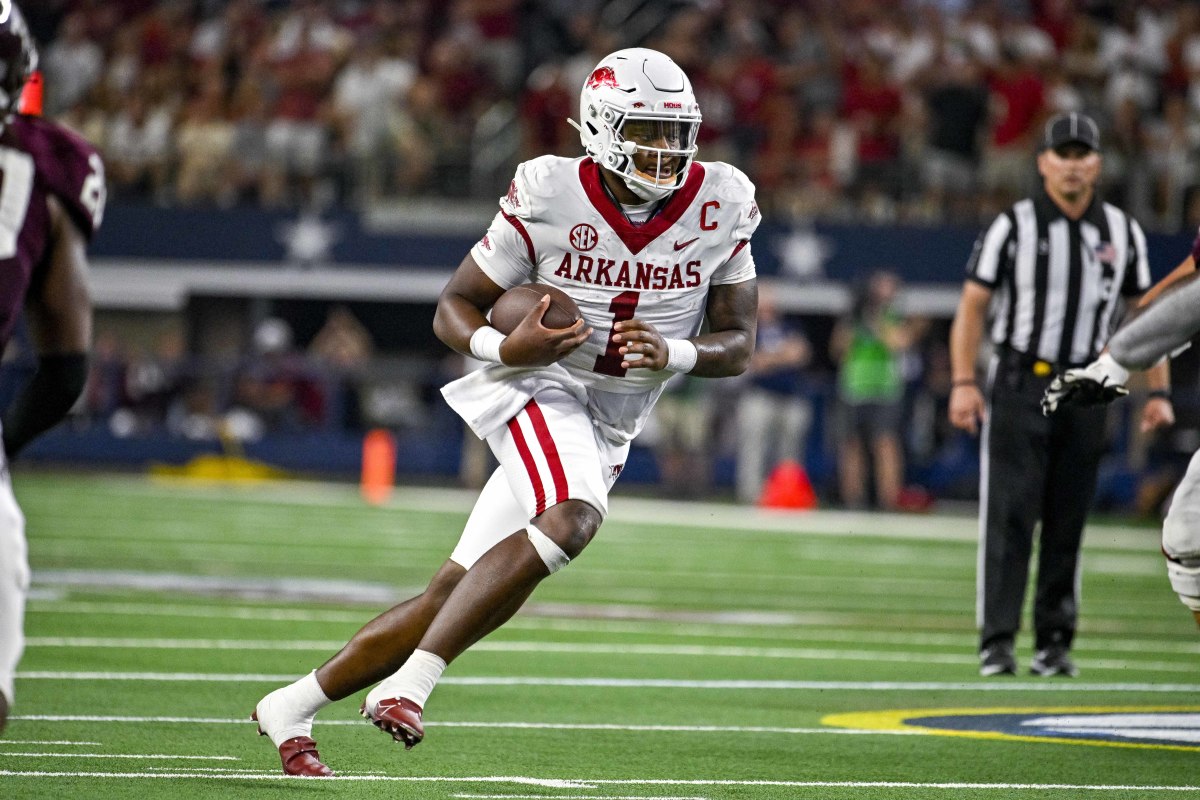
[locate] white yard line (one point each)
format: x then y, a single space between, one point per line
61 743
587 783
573 648
149 756
574 797
303 589
995 685
248 613
722 624
548 726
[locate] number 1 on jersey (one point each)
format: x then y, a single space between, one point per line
622 308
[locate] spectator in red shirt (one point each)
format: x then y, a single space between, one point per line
1018 108
871 104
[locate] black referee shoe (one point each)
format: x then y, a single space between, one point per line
1053 660
997 659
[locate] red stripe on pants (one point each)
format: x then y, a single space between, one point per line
549 450
539 492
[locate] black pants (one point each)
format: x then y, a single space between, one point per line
1035 468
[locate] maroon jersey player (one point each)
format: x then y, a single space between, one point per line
51 202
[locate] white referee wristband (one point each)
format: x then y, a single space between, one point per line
681 355
485 344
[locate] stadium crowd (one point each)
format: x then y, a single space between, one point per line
919 111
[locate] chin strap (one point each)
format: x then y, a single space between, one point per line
645 192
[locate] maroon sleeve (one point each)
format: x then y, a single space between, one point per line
68 167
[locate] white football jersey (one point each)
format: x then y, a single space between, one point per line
558 225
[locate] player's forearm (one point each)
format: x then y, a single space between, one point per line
723 354
45 399
455 321
1185 268
1160 328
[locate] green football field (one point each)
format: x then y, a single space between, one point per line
694 651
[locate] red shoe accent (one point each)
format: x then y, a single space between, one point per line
399 717
299 756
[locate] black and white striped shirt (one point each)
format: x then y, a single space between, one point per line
1058 281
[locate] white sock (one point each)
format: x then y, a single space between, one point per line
415 680
288 712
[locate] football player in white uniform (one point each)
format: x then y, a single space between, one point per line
650 244
1167 318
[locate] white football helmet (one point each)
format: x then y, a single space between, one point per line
639 100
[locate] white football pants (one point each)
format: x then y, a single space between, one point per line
549 452
1181 532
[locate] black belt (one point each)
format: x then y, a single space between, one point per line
1015 361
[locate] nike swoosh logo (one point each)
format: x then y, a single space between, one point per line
680 245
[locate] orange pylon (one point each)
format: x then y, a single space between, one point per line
788 486
378 466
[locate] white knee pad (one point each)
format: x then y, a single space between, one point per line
1181 533
1181 545
552 555
1185 581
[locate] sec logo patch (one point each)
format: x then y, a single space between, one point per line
584 237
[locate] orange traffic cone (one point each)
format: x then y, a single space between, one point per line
788 486
378 466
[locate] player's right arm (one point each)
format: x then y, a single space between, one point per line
59 310
460 317
1185 268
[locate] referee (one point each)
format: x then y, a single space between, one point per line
1053 270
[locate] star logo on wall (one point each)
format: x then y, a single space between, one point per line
308 240
803 253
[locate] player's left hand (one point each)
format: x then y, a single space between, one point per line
642 346
1100 382
1157 413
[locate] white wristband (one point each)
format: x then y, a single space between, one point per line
485 344
681 355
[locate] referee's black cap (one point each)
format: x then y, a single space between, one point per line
1071 128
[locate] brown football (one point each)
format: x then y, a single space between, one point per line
514 304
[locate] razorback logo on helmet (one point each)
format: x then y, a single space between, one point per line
512 198
602 76
638 104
